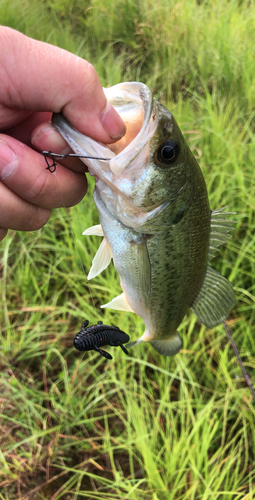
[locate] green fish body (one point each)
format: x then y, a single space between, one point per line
156 220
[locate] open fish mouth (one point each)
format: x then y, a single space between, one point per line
134 103
136 106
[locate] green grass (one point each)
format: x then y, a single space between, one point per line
73 425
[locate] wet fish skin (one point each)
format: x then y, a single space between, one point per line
156 220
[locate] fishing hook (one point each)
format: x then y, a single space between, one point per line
53 156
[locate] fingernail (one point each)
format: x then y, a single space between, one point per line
8 160
43 130
47 134
113 123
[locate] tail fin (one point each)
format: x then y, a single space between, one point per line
168 347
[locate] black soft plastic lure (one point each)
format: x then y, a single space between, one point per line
93 337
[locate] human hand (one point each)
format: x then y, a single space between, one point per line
37 79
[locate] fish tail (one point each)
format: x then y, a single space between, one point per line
165 347
168 347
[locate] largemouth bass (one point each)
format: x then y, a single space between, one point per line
155 219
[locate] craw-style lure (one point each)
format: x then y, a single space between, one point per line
94 337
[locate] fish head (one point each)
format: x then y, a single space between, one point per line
150 170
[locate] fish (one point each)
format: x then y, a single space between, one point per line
155 220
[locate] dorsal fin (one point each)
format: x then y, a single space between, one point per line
220 228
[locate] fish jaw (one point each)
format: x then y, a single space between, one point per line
128 158
114 190
84 146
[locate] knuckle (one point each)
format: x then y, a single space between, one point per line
38 218
38 188
85 75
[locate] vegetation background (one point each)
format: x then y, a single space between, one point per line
74 425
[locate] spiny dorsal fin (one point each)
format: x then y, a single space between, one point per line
101 260
214 300
119 303
94 230
220 228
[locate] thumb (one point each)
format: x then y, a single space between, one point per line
36 76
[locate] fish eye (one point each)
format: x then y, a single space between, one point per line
167 153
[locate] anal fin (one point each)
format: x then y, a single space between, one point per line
215 299
119 304
94 230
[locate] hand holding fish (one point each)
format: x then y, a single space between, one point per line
37 79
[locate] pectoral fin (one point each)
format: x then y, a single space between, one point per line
215 299
101 260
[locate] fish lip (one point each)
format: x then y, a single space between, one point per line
119 162
81 144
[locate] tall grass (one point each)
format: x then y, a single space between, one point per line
75 426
